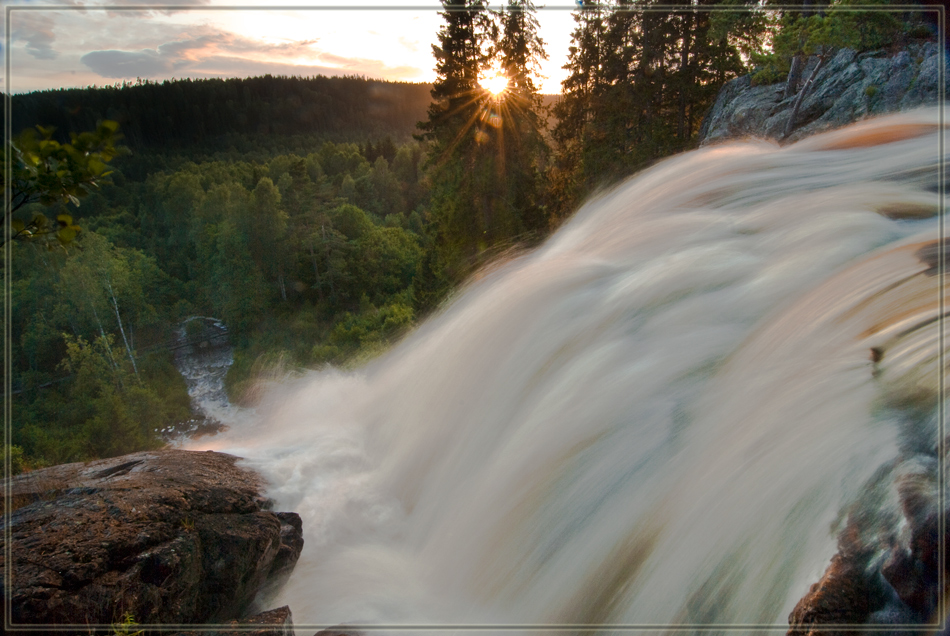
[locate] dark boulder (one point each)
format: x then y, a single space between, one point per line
163 537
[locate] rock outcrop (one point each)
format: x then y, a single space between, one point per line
886 571
848 88
164 537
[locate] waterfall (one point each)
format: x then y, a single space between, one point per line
655 419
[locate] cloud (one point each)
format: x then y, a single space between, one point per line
231 66
145 13
296 48
166 58
210 52
412 45
36 29
242 67
119 64
371 68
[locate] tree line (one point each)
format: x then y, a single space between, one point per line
211 113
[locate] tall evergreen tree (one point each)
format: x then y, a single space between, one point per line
641 77
579 107
522 143
462 175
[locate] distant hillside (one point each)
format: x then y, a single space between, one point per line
170 115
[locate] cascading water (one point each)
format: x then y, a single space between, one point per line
203 355
653 419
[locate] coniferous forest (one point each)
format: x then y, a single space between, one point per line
321 218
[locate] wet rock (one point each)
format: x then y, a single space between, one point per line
840 598
291 544
886 571
167 537
848 88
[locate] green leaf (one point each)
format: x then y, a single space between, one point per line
64 219
66 235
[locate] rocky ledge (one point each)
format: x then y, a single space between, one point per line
885 575
849 87
163 537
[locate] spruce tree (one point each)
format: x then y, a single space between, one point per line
521 143
578 108
641 79
452 136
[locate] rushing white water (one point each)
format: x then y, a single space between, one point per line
203 356
653 419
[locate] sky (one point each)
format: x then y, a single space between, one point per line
69 43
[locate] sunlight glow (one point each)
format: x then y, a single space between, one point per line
493 81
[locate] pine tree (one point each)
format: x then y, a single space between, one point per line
641 79
578 108
456 96
522 144
461 173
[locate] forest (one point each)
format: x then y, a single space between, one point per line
322 218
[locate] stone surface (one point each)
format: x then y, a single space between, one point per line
275 622
170 537
849 87
886 568
341 630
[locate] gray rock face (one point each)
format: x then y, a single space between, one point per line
169 537
849 87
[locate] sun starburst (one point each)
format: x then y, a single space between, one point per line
494 81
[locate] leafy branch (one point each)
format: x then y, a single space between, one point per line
48 172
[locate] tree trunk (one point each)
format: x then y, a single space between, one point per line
323 230
801 95
316 272
105 341
798 62
280 283
128 348
794 76
684 65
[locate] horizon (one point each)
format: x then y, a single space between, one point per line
127 83
56 47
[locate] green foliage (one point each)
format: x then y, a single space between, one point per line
839 26
366 332
78 393
17 461
486 153
272 248
639 84
271 114
126 625
49 173
101 409
115 414
351 222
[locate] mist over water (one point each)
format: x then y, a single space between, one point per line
655 418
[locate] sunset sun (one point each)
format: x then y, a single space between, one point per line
494 81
